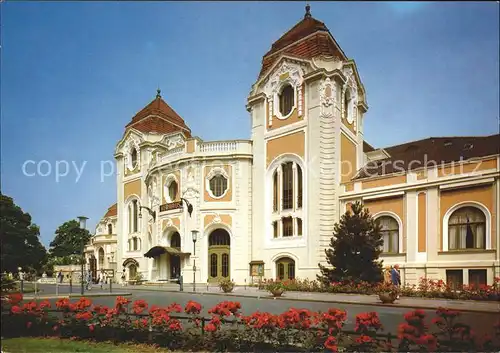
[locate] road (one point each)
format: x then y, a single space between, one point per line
390 317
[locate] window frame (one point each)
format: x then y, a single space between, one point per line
445 223
282 99
393 215
458 227
215 172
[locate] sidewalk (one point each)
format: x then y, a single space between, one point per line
88 294
357 299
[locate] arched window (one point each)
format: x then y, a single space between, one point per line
175 240
467 229
110 228
219 237
101 258
133 217
390 234
287 200
286 98
173 190
133 157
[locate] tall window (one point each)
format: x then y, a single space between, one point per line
133 217
175 241
133 156
347 102
467 229
286 99
172 190
110 228
287 200
287 185
299 187
390 234
275 191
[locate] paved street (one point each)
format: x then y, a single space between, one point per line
390 316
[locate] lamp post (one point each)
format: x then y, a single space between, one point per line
194 234
83 221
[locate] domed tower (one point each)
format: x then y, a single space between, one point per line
307 111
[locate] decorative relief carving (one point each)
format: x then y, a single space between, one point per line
350 112
190 189
287 73
327 94
174 142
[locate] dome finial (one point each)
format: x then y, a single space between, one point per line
308 11
158 93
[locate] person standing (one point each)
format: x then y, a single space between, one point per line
387 275
124 277
396 279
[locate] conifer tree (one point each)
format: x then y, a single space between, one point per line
354 249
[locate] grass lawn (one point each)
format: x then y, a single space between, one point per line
56 345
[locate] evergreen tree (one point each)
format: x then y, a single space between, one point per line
354 249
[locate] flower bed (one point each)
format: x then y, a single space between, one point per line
427 288
228 330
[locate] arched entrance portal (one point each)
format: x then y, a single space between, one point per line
175 260
219 246
132 272
285 268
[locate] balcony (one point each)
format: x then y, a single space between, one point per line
171 206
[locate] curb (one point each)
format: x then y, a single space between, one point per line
348 302
92 295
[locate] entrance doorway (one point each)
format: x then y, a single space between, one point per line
219 246
285 269
175 260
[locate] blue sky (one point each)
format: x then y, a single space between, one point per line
73 74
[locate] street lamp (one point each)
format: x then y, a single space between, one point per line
194 234
150 211
83 222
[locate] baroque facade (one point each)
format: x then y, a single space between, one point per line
267 206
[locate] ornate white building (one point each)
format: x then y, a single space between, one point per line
267 206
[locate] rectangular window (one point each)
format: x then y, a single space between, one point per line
287 185
287 226
299 227
454 278
477 278
275 229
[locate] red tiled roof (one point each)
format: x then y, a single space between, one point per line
112 211
164 120
321 42
432 151
367 147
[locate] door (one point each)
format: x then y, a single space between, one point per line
219 256
175 266
285 269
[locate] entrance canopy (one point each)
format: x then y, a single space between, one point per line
156 251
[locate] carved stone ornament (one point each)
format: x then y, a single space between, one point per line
216 219
174 142
132 142
327 92
287 73
190 190
169 223
351 111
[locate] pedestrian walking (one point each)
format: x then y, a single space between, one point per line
387 275
89 281
396 279
124 282
60 276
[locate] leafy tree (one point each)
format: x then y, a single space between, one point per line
21 246
354 249
68 242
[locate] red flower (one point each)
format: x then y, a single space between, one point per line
91 328
14 298
28 324
55 328
121 303
210 327
364 339
331 344
44 304
86 315
139 306
62 303
176 308
83 303
16 309
175 325
367 321
192 307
